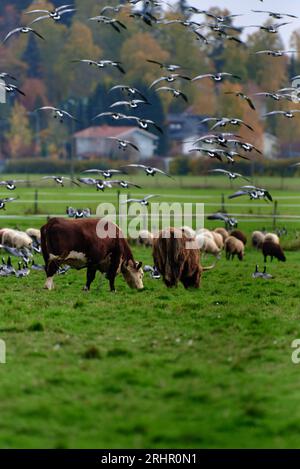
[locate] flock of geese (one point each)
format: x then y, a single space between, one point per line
221 143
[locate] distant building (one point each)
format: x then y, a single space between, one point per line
182 128
270 146
290 150
93 142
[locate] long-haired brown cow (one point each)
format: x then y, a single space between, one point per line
79 244
176 259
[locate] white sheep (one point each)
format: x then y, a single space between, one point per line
272 237
189 232
218 239
34 233
206 244
16 239
257 239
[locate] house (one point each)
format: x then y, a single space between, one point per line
270 146
94 142
290 150
182 129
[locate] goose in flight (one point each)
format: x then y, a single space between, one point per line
144 201
244 145
55 15
60 180
229 174
116 24
145 124
275 14
271 28
4 201
57 113
23 30
212 153
254 193
99 183
243 96
129 90
114 115
289 114
169 79
103 64
4 75
114 9
210 139
106 173
216 77
133 104
11 183
175 92
276 53
229 221
10 88
276 96
220 18
224 121
123 144
146 17
125 184
149 170
168 67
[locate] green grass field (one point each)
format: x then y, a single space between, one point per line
158 368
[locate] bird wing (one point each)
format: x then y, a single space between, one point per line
16 30
39 18
157 81
134 165
237 194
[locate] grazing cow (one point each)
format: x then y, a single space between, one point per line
76 243
175 261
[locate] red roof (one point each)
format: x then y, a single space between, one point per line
103 131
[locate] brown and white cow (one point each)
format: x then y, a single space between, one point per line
78 244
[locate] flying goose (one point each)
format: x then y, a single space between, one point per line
224 121
144 124
60 180
275 14
169 79
217 77
289 114
168 67
116 24
103 63
253 192
9 88
149 170
114 115
129 89
176 93
271 28
229 221
146 17
11 184
114 9
57 113
133 104
4 201
230 174
55 15
106 173
125 184
144 201
22 30
99 183
123 144
276 53
244 145
4 75
243 96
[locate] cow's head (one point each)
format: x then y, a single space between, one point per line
133 274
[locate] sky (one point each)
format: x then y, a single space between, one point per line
245 7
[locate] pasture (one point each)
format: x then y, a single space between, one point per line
157 368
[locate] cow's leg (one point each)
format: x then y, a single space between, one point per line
90 276
51 270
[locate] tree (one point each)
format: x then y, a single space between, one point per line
19 136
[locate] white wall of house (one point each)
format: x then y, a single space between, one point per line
270 146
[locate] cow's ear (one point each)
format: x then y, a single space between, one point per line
139 265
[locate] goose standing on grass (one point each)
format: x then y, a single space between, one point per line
57 113
149 170
265 275
22 271
23 30
60 180
153 272
256 273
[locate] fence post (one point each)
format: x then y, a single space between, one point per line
223 210
275 214
36 200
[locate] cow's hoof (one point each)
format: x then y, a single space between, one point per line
85 289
